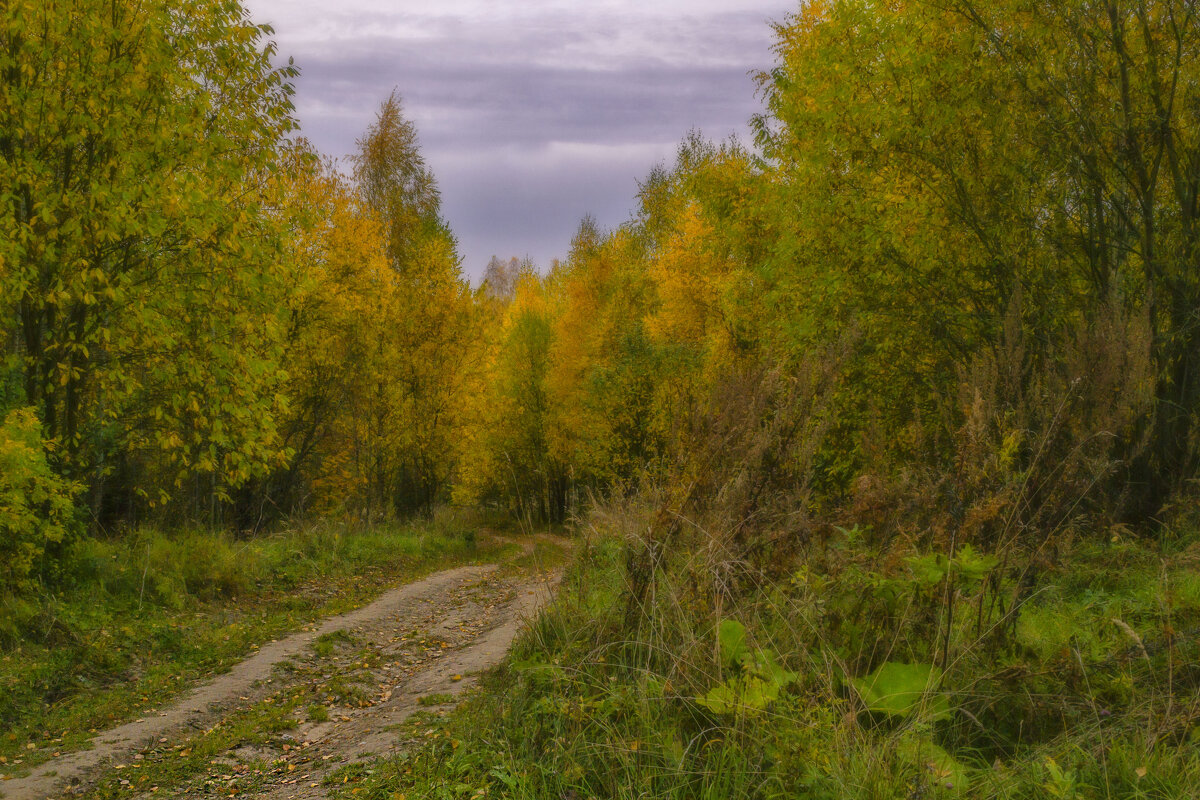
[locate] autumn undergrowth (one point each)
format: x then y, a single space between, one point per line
131 621
984 626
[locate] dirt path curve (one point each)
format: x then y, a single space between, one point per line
370 669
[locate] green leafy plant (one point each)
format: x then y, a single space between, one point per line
758 676
938 766
1059 782
966 567
898 690
731 638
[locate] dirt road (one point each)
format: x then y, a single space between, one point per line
281 721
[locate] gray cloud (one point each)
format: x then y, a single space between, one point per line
530 114
531 203
515 104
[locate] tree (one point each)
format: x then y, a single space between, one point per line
431 320
395 183
500 278
1110 91
936 166
139 237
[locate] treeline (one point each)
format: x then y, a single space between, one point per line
955 279
952 286
203 321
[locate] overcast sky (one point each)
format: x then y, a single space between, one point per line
531 113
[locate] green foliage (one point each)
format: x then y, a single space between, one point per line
396 185
899 690
757 677
756 685
140 237
731 638
1059 782
36 505
941 769
965 565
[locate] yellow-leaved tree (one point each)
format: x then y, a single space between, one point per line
417 401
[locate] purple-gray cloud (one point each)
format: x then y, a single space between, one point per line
532 113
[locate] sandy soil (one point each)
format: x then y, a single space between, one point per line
428 639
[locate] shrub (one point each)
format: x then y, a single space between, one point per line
36 508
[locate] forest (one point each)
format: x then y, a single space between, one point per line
870 445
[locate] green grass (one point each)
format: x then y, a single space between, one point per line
326 643
587 707
548 553
133 621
